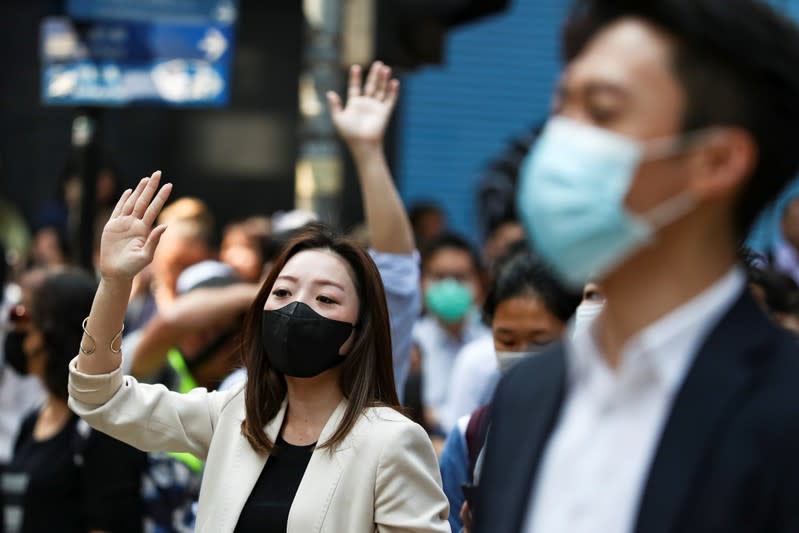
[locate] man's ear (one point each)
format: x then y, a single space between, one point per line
724 162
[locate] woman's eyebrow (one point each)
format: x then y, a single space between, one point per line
329 282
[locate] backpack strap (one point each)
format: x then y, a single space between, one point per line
476 431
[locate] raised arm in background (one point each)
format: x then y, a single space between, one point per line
127 246
362 125
192 312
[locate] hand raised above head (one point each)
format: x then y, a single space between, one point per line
129 240
368 109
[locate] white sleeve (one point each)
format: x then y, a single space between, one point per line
148 417
408 493
400 274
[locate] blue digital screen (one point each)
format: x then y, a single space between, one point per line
178 55
185 11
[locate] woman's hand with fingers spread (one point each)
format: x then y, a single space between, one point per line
129 239
368 110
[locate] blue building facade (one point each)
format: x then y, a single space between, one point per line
496 82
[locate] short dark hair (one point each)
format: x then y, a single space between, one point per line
59 304
450 240
258 231
780 290
737 63
496 189
422 209
367 374
519 273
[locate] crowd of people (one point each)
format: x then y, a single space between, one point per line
615 355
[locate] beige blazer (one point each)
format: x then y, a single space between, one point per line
384 476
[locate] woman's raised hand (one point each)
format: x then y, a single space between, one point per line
369 107
129 239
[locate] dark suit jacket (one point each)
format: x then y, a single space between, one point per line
728 458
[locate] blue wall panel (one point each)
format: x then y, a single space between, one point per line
497 81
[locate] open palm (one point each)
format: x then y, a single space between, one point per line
129 240
368 109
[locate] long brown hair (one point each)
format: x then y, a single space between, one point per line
367 373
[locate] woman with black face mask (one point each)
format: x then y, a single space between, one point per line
314 441
20 393
63 476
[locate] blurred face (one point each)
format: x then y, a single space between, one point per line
223 359
500 241
33 346
430 226
456 264
177 251
105 187
47 248
72 192
524 324
322 280
591 306
32 339
19 329
106 183
241 252
592 294
624 81
33 343
790 223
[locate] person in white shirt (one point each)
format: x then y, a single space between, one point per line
527 310
676 410
453 288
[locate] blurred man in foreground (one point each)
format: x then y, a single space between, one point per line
676 410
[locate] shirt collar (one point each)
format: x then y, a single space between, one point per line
668 345
786 255
473 328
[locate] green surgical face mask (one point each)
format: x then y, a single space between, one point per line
449 300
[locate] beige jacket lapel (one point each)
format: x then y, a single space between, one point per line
246 468
316 489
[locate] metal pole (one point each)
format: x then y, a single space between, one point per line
319 173
85 135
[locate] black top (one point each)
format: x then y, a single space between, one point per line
267 508
79 479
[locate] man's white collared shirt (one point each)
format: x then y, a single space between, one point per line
595 465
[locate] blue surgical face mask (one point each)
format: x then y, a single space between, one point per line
571 199
587 312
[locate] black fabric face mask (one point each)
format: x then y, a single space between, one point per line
300 342
13 353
